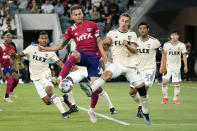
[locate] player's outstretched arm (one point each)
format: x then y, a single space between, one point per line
131 47
107 43
185 63
60 64
163 63
100 46
63 42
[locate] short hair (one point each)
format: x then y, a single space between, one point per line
43 33
144 23
75 7
174 31
126 15
8 34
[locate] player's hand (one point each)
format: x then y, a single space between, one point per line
42 48
185 69
162 70
12 53
125 43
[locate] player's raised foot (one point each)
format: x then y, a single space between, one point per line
176 102
164 100
147 119
112 111
139 112
85 87
73 109
65 115
92 115
7 100
13 95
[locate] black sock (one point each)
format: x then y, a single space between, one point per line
6 95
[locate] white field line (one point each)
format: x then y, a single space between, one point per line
106 117
127 124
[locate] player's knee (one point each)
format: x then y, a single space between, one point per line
107 75
132 91
142 91
164 82
77 56
176 83
47 102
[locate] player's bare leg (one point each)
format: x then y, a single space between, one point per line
74 58
176 92
51 98
164 91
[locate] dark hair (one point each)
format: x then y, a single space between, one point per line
126 15
75 7
144 23
174 31
43 33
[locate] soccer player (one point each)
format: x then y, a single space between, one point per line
171 61
80 74
89 47
124 54
40 72
7 72
147 48
77 74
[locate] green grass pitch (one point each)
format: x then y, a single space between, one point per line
29 113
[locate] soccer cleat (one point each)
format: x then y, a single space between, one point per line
113 111
139 112
85 87
13 95
176 102
92 115
164 100
73 109
147 119
65 115
7 100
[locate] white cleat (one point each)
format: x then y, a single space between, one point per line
13 95
7 100
92 115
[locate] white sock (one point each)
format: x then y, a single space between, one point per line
58 103
97 83
71 98
105 97
165 91
176 91
61 99
144 101
136 98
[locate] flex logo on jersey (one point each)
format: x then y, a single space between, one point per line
143 51
174 52
84 36
39 58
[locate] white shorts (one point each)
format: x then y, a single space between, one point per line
148 76
176 76
132 74
78 75
42 84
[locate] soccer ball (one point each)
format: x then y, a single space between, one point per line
65 86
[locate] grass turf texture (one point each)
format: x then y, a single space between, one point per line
29 113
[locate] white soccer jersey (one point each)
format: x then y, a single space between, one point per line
39 61
173 54
147 53
120 53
